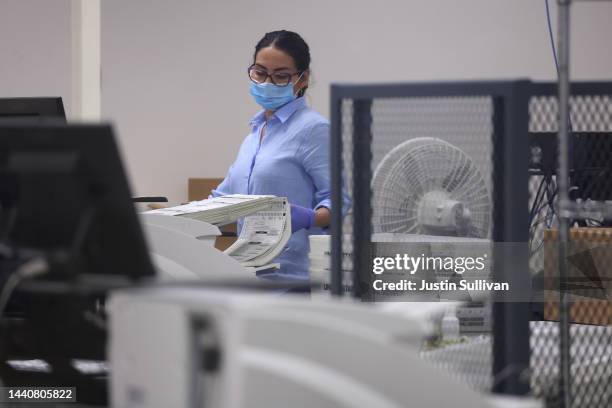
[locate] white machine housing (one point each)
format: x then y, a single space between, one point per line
184 249
194 347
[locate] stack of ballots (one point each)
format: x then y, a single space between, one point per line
265 225
320 265
383 245
220 210
474 317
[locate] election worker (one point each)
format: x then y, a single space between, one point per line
286 154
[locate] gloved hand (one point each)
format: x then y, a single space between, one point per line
301 218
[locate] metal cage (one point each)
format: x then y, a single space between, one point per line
501 125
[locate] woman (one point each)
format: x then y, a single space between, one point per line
287 152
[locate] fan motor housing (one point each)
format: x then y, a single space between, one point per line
438 214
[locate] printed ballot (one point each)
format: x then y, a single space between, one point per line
264 224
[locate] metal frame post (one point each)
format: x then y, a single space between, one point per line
336 179
564 204
510 237
362 193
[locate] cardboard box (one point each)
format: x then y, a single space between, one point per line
589 275
199 188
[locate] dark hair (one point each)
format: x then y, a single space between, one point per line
292 44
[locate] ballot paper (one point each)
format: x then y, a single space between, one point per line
265 226
219 210
262 233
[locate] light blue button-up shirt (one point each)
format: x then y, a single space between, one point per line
293 161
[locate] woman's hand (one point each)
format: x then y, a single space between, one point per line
322 217
301 218
305 218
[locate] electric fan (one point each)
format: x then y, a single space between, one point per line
428 186
432 191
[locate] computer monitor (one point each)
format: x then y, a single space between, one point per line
64 196
590 164
64 192
32 108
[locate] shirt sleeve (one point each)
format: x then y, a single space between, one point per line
315 154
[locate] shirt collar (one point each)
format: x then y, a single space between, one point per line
282 114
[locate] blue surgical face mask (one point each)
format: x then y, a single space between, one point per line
271 96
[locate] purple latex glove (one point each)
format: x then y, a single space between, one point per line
301 218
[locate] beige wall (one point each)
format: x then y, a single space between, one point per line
173 71
35 49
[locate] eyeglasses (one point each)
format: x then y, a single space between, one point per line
259 76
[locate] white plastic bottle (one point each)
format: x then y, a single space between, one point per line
450 325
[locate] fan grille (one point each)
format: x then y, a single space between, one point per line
419 166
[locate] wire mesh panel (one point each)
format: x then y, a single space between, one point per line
347 173
464 161
403 151
589 260
418 162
